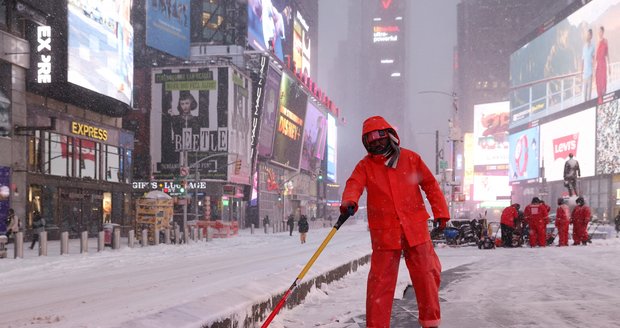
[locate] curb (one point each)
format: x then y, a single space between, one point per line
260 310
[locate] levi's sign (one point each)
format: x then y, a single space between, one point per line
565 145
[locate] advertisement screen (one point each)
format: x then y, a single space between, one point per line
290 124
302 44
608 138
332 141
190 113
491 133
270 26
315 133
523 155
488 187
239 129
5 114
271 102
100 42
573 134
167 26
568 64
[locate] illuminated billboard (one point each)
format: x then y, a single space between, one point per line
290 124
167 26
566 65
571 134
523 155
270 26
315 133
489 186
190 113
491 133
100 47
271 101
302 44
608 138
332 142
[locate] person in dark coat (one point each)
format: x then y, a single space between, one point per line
291 224
303 228
38 226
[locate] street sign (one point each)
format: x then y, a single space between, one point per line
184 171
443 165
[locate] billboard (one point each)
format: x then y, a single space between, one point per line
332 142
523 155
5 193
302 44
271 101
315 133
608 138
270 26
290 124
570 134
491 133
167 26
100 47
491 184
566 65
239 127
190 114
5 114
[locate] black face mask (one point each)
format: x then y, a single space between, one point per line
378 148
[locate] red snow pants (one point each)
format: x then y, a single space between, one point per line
424 270
563 233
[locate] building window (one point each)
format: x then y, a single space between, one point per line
5 99
4 9
112 164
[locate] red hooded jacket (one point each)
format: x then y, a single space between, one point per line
395 202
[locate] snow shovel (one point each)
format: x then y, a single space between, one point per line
341 220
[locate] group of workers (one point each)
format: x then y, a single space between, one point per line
536 216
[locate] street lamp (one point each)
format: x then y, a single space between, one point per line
454 135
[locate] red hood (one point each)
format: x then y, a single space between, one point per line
378 123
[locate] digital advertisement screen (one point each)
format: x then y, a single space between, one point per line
315 133
5 115
100 47
567 64
167 26
608 138
271 101
239 129
573 134
187 116
332 141
488 187
270 26
302 44
5 193
290 124
523 155
491 133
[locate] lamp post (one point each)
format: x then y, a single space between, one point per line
454 135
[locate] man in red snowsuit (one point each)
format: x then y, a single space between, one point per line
580 218
562 221
536 215
509 215
394 179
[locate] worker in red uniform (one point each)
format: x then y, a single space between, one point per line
536 215
507 222
394 179
580 218
562 220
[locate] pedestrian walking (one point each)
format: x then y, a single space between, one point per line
13 225
394 178
38 226
303 228
617 222
291 224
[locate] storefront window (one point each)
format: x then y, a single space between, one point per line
112 164
58 156
87 158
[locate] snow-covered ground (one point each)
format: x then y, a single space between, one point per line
188 285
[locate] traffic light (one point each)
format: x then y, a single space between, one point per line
237 166
279 197
320 175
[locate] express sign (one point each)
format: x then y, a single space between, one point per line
44 50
